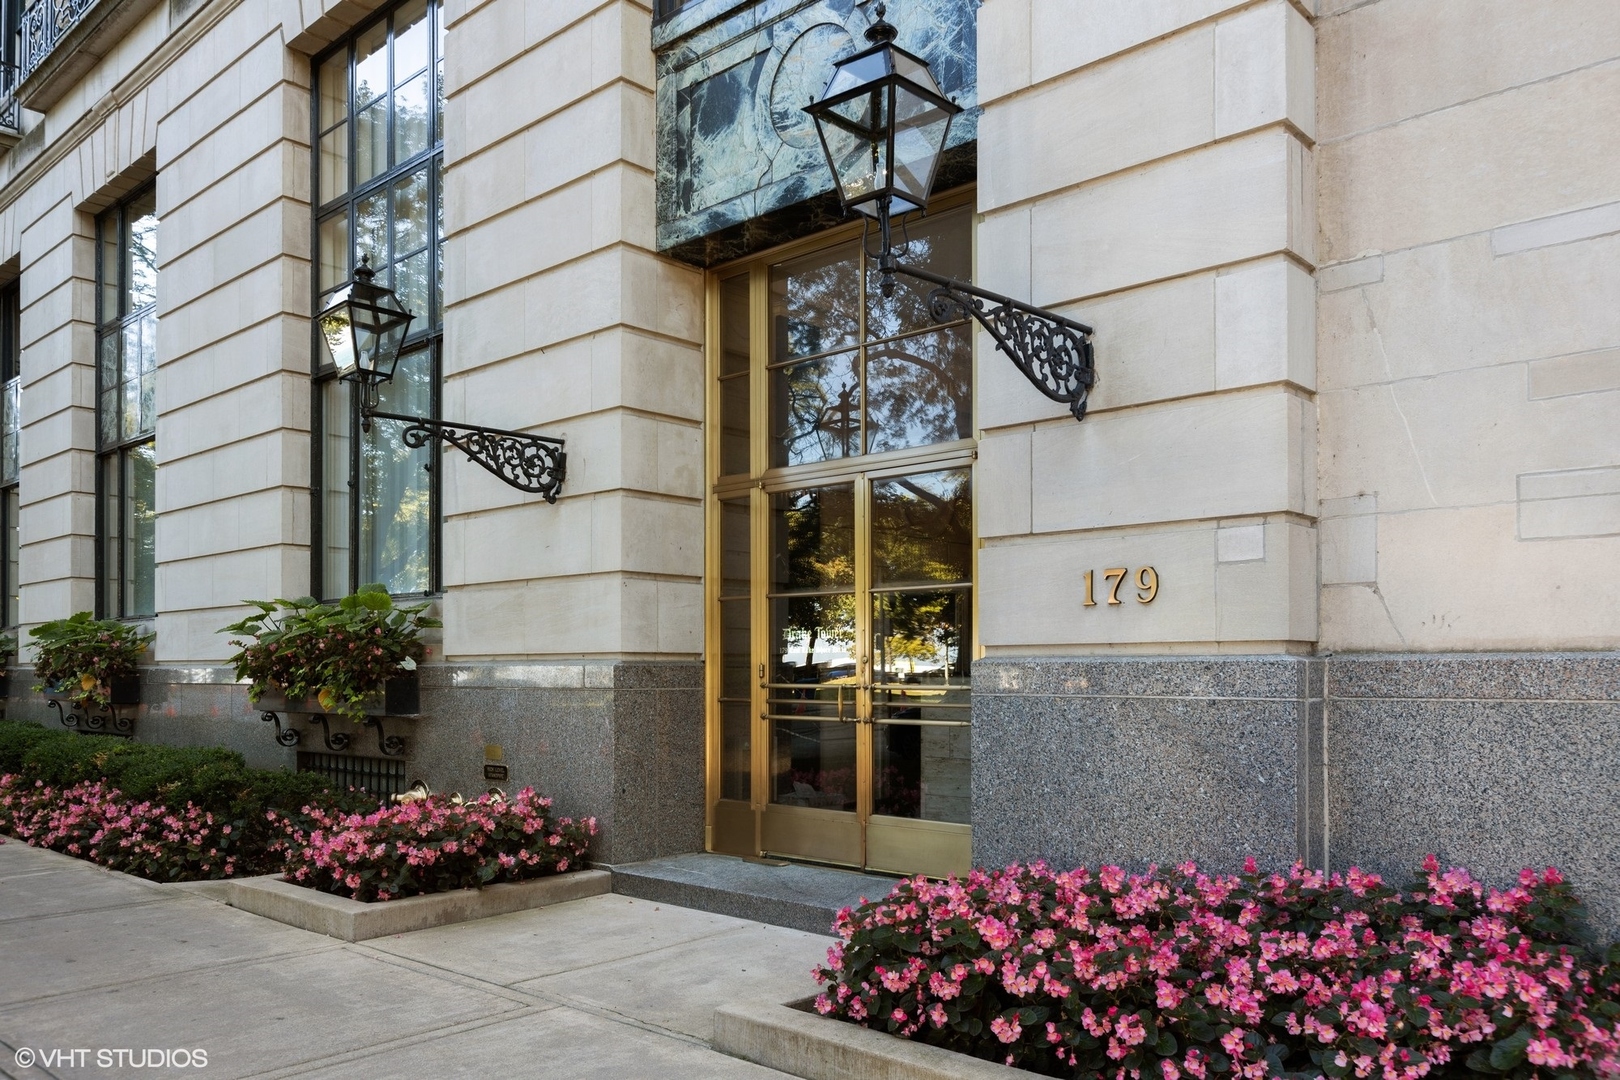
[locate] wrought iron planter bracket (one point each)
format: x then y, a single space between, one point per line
387 745
1054 353
285 736
336 741
105 722
528 462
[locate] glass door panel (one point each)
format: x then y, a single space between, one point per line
841 584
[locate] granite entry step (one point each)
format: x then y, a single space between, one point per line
765 891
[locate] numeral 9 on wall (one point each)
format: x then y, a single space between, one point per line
1146 582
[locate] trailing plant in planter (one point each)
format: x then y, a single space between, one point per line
340 654
82 657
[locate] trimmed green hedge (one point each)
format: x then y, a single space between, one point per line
212 778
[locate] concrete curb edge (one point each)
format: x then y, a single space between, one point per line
804 1044
350 920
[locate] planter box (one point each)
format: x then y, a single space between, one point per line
126 691
400 697
801 1043
273 897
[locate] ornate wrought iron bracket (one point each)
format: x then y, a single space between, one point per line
528 462
285 736
336 741
388 745
104 722
1054 353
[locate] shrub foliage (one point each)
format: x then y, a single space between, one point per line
188 814
111 801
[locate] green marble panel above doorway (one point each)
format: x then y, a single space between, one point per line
738 165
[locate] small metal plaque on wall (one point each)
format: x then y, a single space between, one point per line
495 772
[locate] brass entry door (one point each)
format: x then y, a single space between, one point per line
840 565
866 678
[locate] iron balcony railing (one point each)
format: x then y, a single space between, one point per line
44 23
10 112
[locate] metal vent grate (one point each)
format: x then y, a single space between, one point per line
380 776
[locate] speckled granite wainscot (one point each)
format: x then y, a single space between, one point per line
1147 759
199 705
1493 761
621 741
739 166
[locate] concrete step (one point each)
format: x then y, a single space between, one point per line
777 894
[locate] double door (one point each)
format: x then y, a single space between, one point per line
840 563
859 744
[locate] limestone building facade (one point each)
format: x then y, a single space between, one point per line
1328 571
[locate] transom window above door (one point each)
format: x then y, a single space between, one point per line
849 371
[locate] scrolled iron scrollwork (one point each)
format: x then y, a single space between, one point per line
532 463
10 111
42 27
388 745
335 742
1055 354
107 721
285 736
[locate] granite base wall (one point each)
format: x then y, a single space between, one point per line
1494 762
1139 760
622 741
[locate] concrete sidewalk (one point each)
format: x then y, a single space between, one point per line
603 987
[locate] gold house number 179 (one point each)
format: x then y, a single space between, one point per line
1147 585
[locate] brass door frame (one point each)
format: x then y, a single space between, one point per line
760 827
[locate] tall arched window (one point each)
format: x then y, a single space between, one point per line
379 147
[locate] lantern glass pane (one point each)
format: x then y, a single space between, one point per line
392 323
858 70
917 71
859 162
919 137
365 342
338 333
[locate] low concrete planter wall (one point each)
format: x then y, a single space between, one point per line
351 920
804 1044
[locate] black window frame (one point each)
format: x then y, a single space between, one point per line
10 486
425 332
112 599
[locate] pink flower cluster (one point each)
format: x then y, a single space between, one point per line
1176 972
432 844
96 822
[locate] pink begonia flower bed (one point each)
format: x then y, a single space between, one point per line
433 844
96 822
1177 973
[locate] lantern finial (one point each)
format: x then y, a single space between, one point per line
881 31
364 272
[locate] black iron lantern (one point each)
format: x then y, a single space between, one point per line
364 326
883 123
